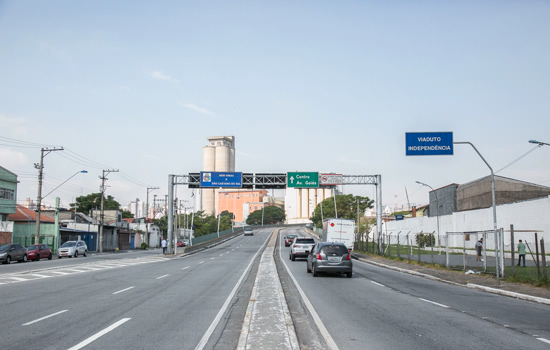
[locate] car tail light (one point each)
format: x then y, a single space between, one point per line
318 256
349 256
297 246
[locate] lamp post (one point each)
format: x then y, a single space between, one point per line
437 215
263 206
321 205
539 142
494 205
219 214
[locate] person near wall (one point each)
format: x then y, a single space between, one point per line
521 252
163 245
479 247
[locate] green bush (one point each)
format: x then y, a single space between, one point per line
143 245
425 240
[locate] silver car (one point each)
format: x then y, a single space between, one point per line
248 232
329 257
73 248
301 247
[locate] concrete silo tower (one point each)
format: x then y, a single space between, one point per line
218 155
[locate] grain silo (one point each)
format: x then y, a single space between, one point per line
218 156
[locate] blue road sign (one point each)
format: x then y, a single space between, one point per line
221 179
429 143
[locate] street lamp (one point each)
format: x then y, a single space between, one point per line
320 205
437 215
539 142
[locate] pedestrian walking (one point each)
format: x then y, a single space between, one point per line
479 246
521 252
163 245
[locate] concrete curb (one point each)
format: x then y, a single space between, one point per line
469 285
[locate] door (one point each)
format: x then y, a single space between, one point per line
132 239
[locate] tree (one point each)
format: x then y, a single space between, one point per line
346 206
272 215
127 214
84 204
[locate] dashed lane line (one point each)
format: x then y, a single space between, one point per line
99 334
45 317
433 302
544 340
186 267
120 291
378 284
162 276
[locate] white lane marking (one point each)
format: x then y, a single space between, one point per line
210 330
201 262
162 277
221 254
213 258
433 302
75 270
61 273
99 334
39 275
120 291
186 267
18 278
45 317
233 249
326 335
544 340
378 284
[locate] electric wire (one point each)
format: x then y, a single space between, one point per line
519 158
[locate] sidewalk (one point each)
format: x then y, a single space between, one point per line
486 283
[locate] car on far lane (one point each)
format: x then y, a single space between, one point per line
10 252
181 243
329 257
289 239
248 232
301 247
39 251
72 248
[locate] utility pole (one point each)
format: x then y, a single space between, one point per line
43 152
101 217
149 189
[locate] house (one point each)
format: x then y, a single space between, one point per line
8 196
24 227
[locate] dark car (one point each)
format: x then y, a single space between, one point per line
38 251
289 240
329 257
9 252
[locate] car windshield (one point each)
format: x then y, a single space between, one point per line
305 240
68 244
4 247
334 249
248 229
291 236
33 247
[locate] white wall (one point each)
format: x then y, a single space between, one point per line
527 215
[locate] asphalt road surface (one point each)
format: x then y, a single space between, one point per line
383 309
125 301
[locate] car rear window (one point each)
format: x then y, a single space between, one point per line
305 240
33 247
334 249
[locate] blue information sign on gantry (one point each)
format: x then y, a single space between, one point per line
221 179
429 143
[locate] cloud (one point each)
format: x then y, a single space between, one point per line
161 76
12 159
13 125
196 108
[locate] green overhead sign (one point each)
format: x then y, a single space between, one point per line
302 180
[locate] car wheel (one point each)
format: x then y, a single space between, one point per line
315 273
308 269
50 256
37 257
348 274
293 257
8 259
76 254
85 253
24 258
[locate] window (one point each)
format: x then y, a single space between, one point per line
6 193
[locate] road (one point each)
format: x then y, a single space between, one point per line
146 302
383 309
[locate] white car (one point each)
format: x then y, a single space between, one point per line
72 248
301 247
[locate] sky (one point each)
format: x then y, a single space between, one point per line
328 86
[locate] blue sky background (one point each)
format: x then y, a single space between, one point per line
303 85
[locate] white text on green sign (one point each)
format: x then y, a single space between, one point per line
300 179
